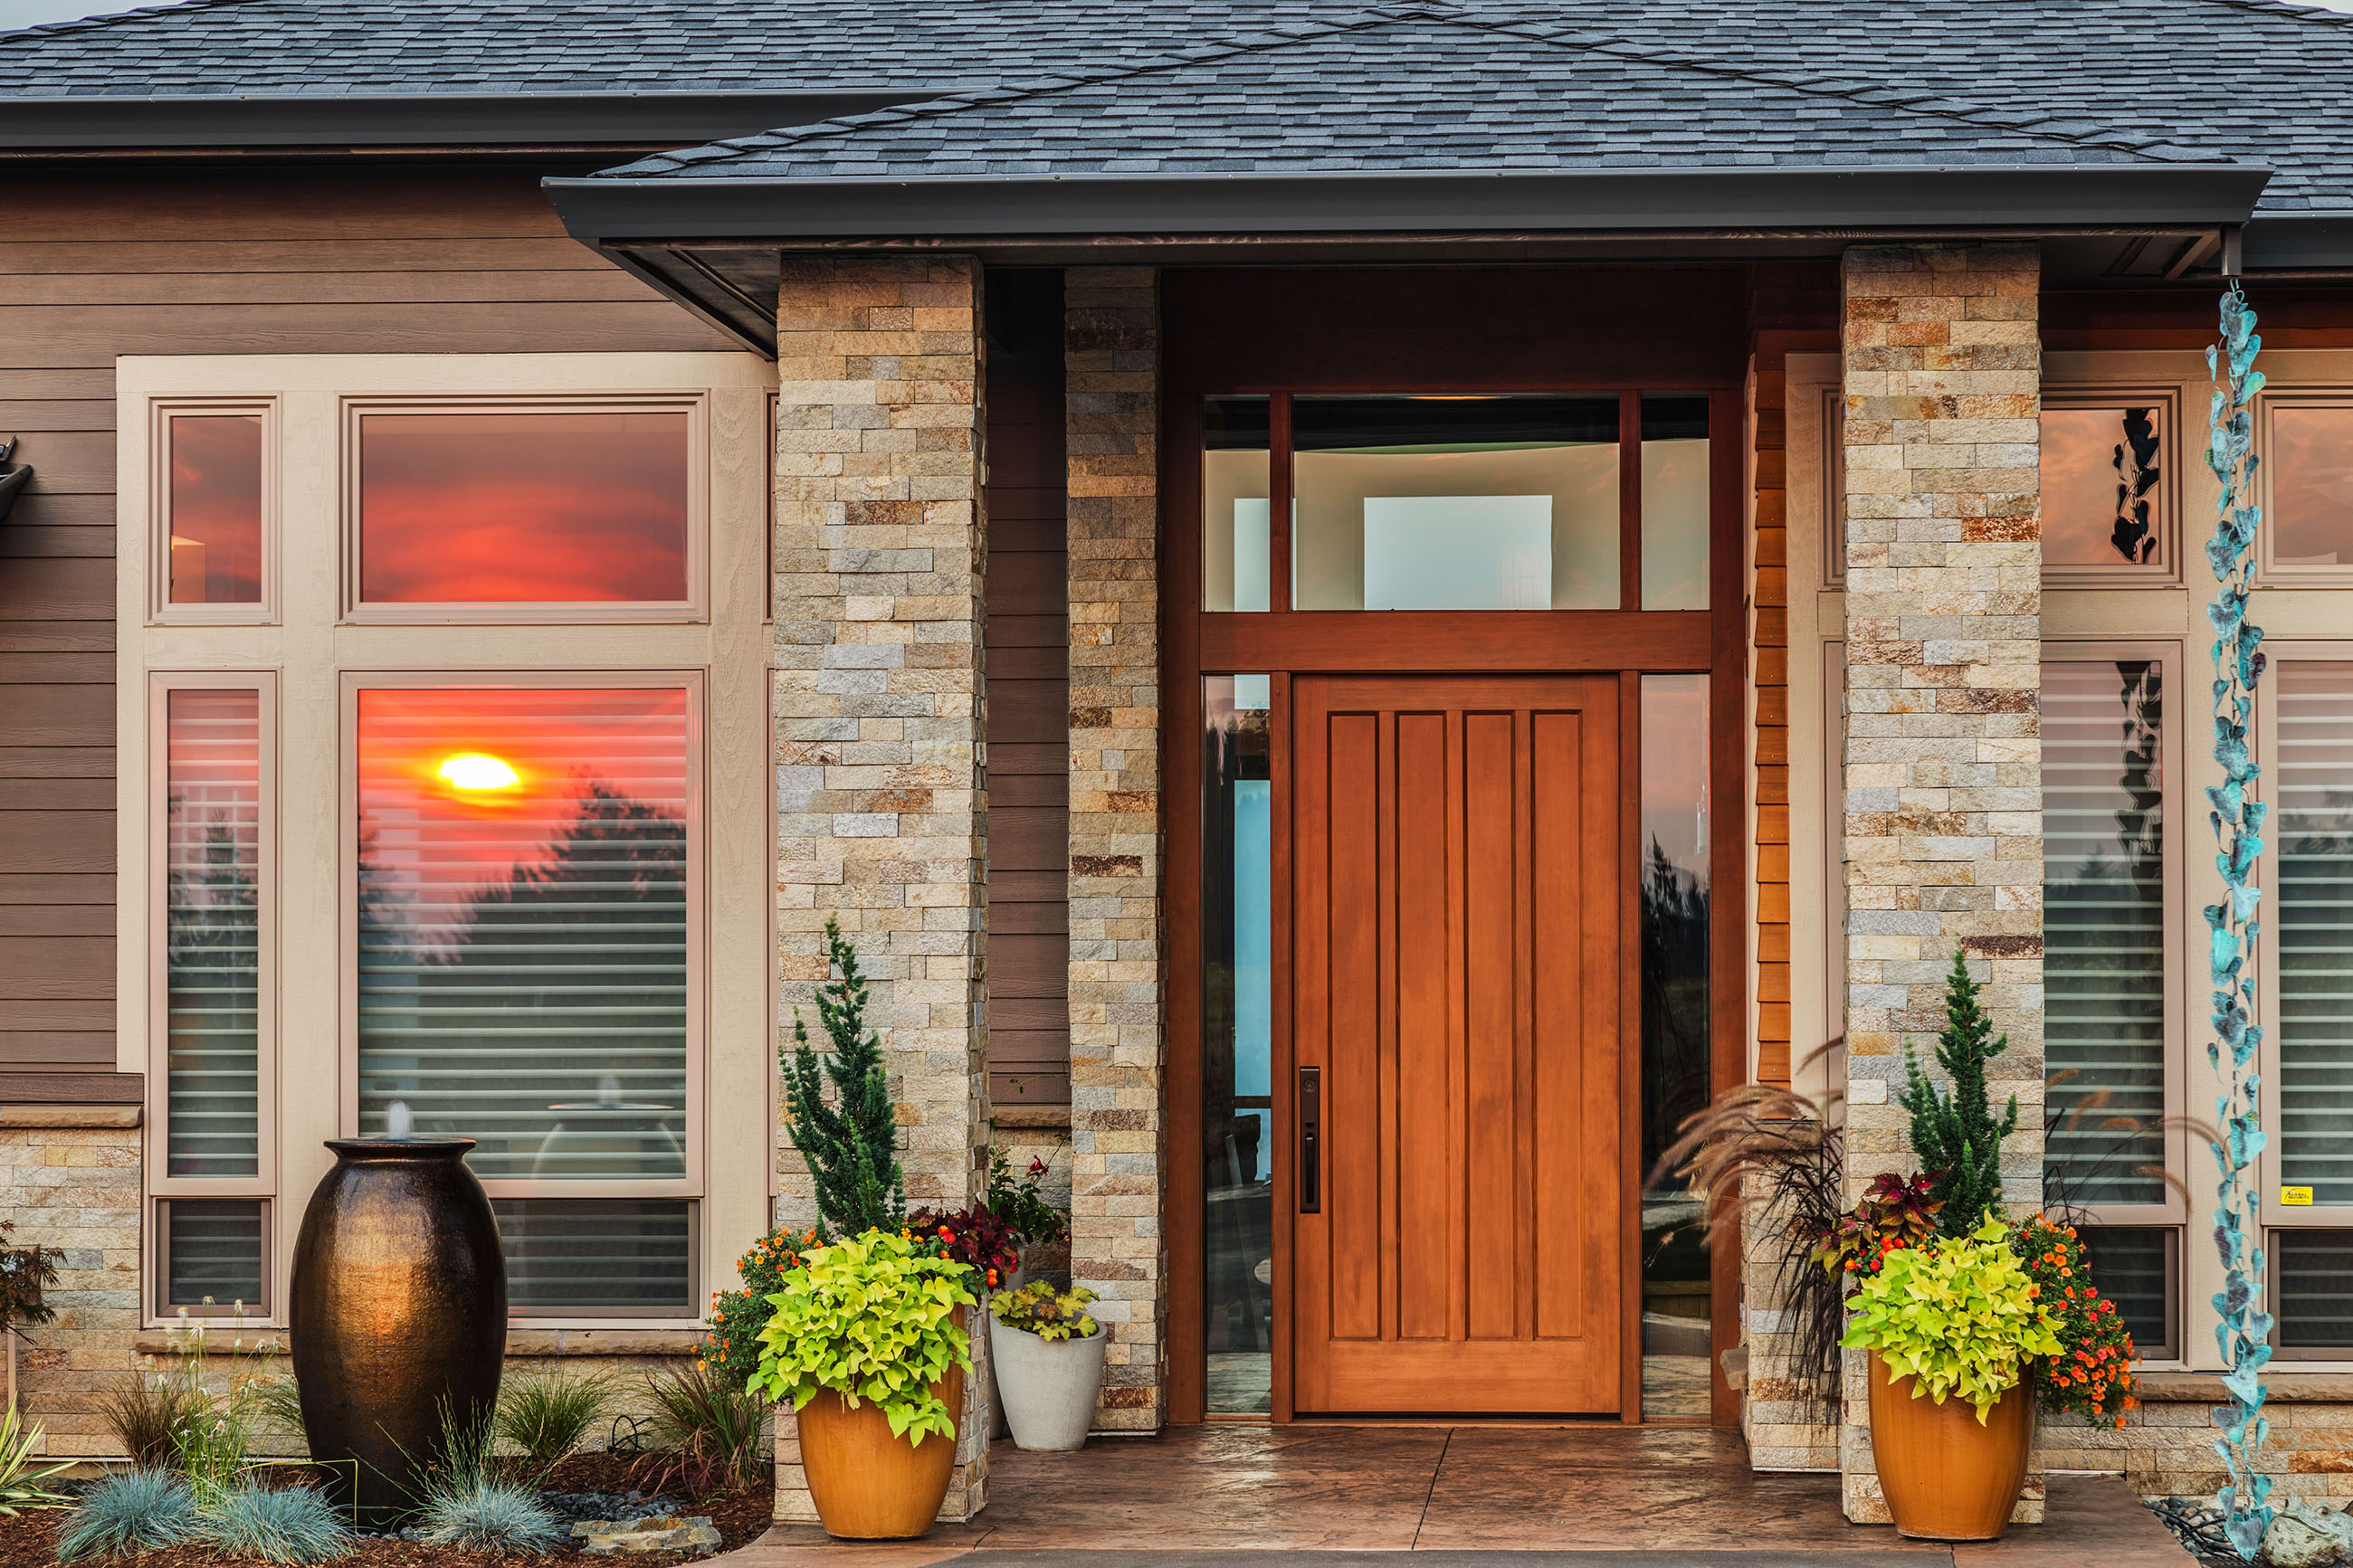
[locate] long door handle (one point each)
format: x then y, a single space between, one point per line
1311 1140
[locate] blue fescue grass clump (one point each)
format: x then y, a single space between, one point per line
289 1524
484 1515
129 1513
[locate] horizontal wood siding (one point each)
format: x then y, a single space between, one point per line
1028 669
286 261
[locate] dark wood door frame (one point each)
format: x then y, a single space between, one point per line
1627 642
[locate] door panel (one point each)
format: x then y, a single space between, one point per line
1455 932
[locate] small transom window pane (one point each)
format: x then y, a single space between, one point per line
213 1255
574 507
2311 461
523 925
2101 491
2313 826
212 931
1674 503
1455 503
626 1256
1236 549
216 509
2133 1265
2104 930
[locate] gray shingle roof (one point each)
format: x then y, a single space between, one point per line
1403 90
1435 84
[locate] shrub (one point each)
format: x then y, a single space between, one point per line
2090 1374
132 1511
487 1516
293 1524
1039 1308
731 1350
973 1238
1955 1316
545 1415
1893 1213
1033 1221
851 1145
213 1444
1956 1137
148 1414
22 1480
707 1433
24 1270
873 1317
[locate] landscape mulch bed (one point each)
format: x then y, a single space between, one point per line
28 1540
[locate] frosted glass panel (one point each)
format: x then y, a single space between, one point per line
1234 544
1674 503
1439 476
1458 552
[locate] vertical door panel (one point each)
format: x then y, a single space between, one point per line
1351 1100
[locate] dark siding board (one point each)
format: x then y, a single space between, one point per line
1028 640
361 261
71 1089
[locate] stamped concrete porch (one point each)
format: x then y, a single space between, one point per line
1518 1498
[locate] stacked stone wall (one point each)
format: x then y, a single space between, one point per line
1943 801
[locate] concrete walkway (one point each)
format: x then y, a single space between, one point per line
1352 1497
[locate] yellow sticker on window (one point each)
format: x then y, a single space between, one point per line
2295 1197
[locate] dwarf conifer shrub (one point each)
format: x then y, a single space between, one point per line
1956 1137
852 1144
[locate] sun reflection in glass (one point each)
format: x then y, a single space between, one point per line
474 771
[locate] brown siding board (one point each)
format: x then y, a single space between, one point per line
71 1089
362 260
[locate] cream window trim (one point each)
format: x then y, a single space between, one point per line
162 411
695 606
1817 820
311 648
2164 567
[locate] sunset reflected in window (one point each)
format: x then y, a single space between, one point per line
586 507
216 509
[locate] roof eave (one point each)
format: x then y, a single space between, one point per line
522 117
605 209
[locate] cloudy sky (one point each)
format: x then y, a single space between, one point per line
25 12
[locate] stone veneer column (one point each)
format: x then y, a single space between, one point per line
70 1179
1112 342
1942 762
882 798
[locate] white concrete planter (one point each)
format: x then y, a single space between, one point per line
1050 1386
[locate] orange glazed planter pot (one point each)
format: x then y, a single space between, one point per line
867 1484
1945 1476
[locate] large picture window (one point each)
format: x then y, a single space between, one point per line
524 891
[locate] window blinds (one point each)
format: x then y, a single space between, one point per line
2315 1289
2312 828
2103 931
631 1256
211 869
212 1249
523 925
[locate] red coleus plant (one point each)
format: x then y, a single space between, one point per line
1895 1212
974 1237
2092 1373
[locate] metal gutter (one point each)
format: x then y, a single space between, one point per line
675 209
423 119
2297 242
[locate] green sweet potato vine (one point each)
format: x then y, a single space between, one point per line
870 1317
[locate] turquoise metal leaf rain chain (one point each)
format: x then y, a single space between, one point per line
2242 1329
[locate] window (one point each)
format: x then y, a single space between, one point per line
2307 456
1447 504
215 497
556 512
213 843
524 898
2108 508
1674 503
1236 562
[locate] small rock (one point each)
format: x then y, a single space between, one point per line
2305 1536
632 1537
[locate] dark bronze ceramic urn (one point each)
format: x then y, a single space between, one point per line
399 1311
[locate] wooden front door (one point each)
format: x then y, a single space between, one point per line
1455 985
